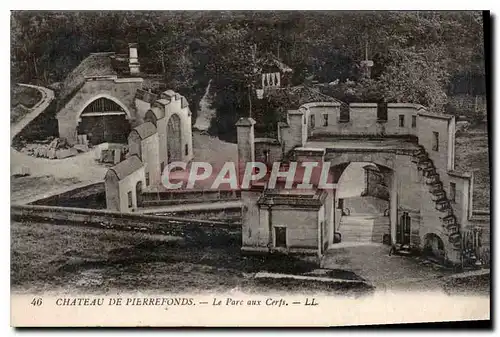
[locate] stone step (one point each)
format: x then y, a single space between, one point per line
449 220
425 164
377 239
428 172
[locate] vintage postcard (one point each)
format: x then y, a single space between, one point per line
249 168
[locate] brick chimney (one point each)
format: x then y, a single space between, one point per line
133 61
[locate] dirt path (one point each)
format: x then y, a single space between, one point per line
205 113
47 97
373 263
63 173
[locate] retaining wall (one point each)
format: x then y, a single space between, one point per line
115 220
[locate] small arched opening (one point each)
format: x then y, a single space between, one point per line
174 139
362 201
434 247
138 193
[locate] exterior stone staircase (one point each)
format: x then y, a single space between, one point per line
438 196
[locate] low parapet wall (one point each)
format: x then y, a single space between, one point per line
182 196
361 118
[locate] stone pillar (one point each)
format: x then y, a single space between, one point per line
133 59
298 126
394 206
67 129
246 145
330 206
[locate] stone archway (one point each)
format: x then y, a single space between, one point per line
174 139
103 119
434 247
361 216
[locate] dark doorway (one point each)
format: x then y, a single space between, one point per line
280 236
138 193
403 230
341 204
382 112
102 121
102 129
174 142
344 113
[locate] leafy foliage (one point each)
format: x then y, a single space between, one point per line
418 56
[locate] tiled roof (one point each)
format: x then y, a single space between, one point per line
145 130
127 167
293 97
146 96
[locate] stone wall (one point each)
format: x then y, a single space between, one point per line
255 229
362 119
107 219
301 226
149 149
375 184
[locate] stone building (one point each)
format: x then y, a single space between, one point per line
106 101
107 95
123 184
413 150
163 138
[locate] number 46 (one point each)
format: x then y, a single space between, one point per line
37 301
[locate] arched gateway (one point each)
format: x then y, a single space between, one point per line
104 120
413 164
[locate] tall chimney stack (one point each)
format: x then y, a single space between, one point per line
133 62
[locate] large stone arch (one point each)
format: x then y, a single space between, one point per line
432 242
382 159
103 118
338 169
107 96
388 215
174 138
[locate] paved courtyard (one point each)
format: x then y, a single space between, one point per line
372 262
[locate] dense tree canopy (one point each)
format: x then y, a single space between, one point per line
418 56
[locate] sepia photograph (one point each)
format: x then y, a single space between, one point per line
249 168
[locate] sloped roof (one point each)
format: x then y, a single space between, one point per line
271 60
293 97
157 111
146 96
145 130
127 167
169 93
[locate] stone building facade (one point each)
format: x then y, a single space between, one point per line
107 96
156 126
123 184
153 142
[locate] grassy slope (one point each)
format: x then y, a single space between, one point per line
62 258
471 154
